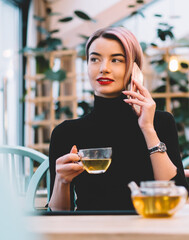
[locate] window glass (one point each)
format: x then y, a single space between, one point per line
10 73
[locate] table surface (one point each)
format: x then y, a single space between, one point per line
117 227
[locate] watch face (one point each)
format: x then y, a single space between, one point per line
162 147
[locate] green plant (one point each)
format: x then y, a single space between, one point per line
178 80
180 106
47 44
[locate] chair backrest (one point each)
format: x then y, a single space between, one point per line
13 152
34 182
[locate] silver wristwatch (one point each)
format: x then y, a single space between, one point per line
160 147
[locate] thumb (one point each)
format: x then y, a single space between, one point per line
74 149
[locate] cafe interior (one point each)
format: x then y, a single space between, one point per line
44 81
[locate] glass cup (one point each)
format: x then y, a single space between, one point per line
96 160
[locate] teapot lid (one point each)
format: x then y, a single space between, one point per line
157 184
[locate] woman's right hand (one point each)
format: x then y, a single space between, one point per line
68 167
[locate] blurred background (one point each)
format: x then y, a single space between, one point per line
43 78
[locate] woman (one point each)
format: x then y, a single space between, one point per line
114 123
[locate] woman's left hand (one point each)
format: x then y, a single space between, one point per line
145 105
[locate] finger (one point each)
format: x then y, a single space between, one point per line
68 168
74 149
68 178
135 101
142 89
135 95
68 158
146 104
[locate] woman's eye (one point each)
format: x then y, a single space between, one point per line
94 59
116 60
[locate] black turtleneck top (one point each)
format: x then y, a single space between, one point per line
113 123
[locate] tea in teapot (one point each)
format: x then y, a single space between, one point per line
157 198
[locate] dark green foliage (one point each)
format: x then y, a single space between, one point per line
83 15
60 110
60 75
86 107
42 64
66 19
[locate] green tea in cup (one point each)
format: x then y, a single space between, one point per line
96 160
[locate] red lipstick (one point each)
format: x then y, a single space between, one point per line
105 81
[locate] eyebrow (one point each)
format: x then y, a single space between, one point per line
113 55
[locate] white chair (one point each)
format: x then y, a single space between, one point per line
20 152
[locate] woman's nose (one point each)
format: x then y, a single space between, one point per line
105 67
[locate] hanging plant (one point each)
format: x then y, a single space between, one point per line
83 15
66 19
59 75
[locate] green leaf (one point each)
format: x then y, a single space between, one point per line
178 76
54 14
48 10
134 13
26 49
160 89
140 1
183 89
161 67
60 75
65 110
141 13
60 110
184 65
66 19
39 117
22 99
52 43
42 64
38 18
158 61
163 24
169 33
153 45
54 31
158 15
86 107
83 15
161 34
84 36
143 46
42 30
137 12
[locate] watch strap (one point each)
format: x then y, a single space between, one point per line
160 147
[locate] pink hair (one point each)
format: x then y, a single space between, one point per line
129 42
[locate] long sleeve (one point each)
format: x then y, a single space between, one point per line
59 146
167 132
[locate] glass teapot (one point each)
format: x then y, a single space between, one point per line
157 198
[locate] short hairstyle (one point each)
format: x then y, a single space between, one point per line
130 44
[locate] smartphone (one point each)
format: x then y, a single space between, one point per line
137 76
